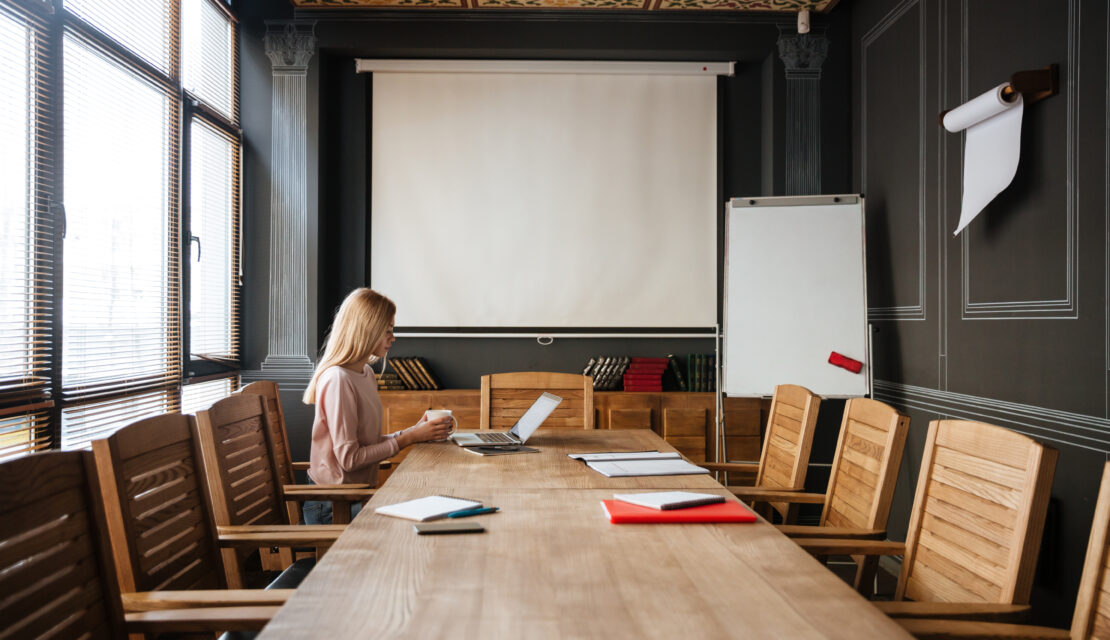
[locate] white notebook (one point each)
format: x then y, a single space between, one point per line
429 508
625 468
665 500
624 455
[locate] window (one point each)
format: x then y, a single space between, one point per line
26 236
149 155
201 395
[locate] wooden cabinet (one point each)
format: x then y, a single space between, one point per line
684 420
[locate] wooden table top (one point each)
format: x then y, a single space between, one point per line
550 565
444 465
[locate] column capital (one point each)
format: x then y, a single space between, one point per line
290 43
803 54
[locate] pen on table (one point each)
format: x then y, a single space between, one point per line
471 512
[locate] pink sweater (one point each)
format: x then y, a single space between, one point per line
347 439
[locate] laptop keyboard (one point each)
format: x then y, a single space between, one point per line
495 438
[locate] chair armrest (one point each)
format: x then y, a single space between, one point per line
326 492
925 628
301 488
209 620
840 547
806 531
157 600
762 494
980 611
303 466
249 536
742 467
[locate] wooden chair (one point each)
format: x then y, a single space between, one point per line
160 519
57 577
861 483
506 396
975 528
786 446
243 480
1093 600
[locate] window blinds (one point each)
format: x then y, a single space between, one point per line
214 266
26 234
121 277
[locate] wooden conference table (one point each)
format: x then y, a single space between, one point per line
551 566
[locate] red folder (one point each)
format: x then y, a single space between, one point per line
624 513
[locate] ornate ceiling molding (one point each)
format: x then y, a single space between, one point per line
772 6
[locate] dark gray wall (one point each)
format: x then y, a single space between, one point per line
1006 323
750 162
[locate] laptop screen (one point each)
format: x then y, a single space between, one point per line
535 415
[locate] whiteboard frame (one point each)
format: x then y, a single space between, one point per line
791 201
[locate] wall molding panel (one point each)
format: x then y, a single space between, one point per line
1062 427
1067 306
913 311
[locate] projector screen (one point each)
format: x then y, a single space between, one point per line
545 200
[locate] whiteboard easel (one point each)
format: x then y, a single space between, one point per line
795 291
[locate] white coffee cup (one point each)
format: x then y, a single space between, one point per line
435 414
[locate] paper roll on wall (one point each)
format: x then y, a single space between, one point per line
992 148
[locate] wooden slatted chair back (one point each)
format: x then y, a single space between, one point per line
978 515
56 574
865 467
1092 604
156 502
283 457
506 396
787 442
243 481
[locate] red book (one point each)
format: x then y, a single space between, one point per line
624 513
662 361
643 387
652 368
655 377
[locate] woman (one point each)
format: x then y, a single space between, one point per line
347 439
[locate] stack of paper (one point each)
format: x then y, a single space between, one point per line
658 467
429 508
664 500
624 455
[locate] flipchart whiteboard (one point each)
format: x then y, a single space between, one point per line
795 291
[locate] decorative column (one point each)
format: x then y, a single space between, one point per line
803 54
290 46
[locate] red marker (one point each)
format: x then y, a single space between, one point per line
845 362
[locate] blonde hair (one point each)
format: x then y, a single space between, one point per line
360 323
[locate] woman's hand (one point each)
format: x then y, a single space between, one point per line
426 431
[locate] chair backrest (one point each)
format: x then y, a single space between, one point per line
788 438
279 437
978 515
156 502
865 468
1093 600
271 400
56 574
234 435
506 396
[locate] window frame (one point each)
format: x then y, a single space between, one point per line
53 22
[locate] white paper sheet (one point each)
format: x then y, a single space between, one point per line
991 150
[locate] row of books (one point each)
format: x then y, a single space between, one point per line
409 373
651 373
701 371
607 371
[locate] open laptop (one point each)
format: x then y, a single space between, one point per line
521 431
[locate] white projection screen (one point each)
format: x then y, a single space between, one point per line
545 200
